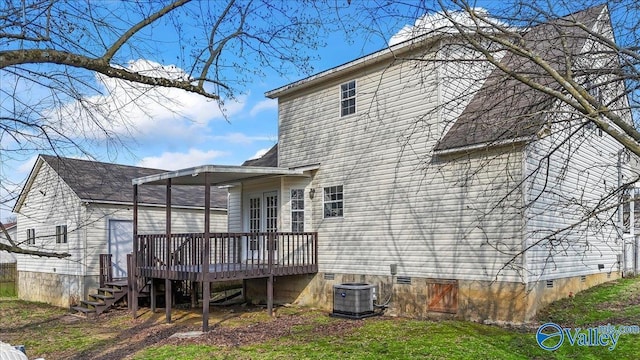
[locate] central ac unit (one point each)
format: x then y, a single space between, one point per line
353 300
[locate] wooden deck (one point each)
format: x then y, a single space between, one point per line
205 258
229 256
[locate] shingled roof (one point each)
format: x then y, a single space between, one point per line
269 159
505 108
106 182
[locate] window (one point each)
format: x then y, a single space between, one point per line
31 236
297 210
630 205
61 234
348 98
254 222
333 201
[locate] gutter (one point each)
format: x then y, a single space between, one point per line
485 145
91 201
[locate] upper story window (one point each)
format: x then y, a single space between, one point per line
333 206
348 98
61 234
31 236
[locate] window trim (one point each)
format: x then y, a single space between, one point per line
336 201
354 98
61 234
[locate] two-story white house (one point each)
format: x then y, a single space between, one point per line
426 171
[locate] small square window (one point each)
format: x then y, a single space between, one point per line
348 98
333 201
31 236
61 234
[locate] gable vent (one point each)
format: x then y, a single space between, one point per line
405 280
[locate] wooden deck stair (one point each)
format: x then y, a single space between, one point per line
112 293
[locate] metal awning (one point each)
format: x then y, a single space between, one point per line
219 175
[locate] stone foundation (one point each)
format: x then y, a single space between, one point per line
55 289
508 302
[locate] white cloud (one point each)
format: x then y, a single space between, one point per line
25 167
240 138
139 111
176 160
264 105
259 153
435 23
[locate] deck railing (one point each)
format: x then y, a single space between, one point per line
230 255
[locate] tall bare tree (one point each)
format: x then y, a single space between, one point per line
57 56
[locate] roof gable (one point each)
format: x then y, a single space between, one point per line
269 159
505 108
111 183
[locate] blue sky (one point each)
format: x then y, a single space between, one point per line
191 131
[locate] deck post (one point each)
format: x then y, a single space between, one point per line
133 277
270 249
194 294
206 286
270 294
167 281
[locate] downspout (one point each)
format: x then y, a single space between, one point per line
525 199
620 227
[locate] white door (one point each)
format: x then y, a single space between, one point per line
262 218
120 244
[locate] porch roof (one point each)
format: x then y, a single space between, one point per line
219 175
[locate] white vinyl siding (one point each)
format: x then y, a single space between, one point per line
297 210
235 209
565 184
50 203
431 218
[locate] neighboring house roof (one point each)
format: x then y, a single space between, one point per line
101 182
505 108
9 226
269 159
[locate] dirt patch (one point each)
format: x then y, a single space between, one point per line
231 327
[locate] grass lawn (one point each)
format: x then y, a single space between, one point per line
297 333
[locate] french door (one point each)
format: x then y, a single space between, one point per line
263 218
